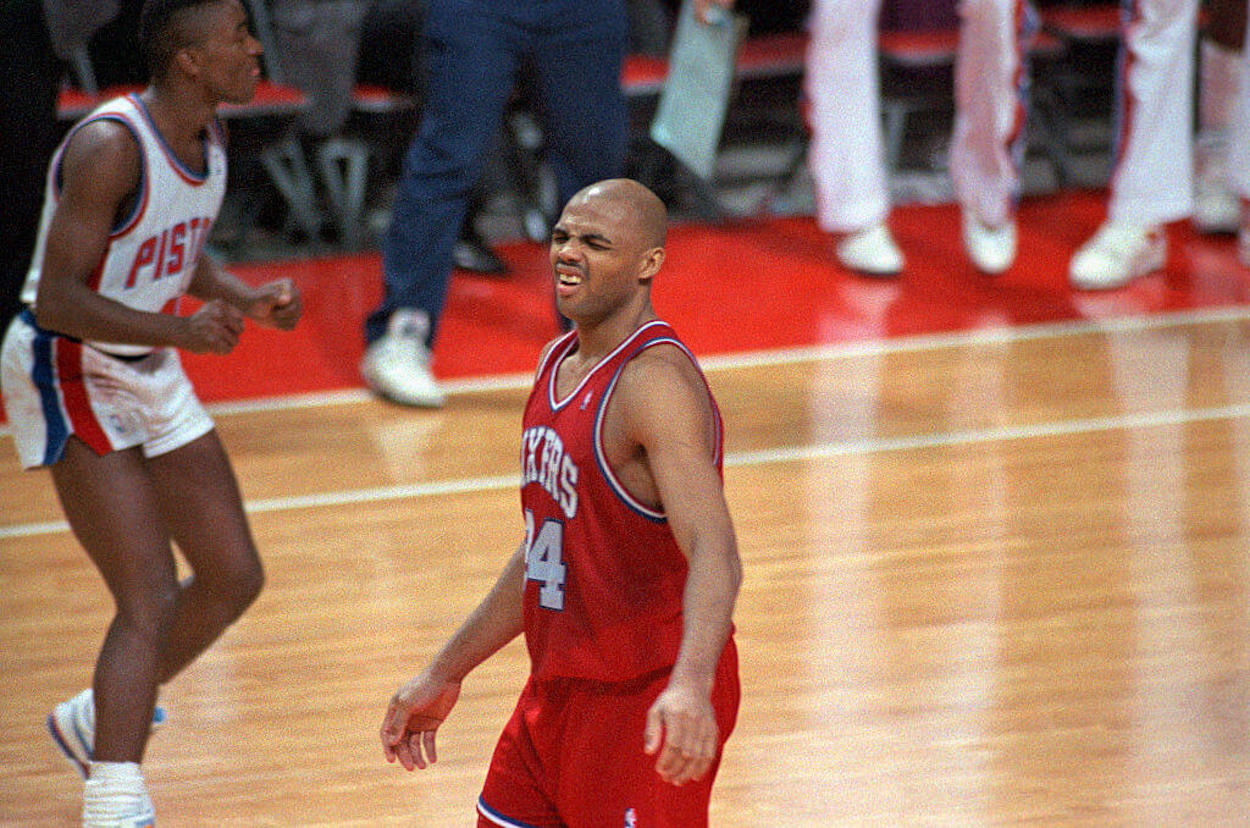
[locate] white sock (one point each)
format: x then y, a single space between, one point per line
112 792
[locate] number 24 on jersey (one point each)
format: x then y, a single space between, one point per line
544 561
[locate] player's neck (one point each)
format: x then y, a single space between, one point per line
178 115
596 339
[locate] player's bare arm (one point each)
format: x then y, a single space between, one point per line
419 706
665 411
277 304
100 175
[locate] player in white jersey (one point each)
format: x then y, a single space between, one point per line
847 160
94 390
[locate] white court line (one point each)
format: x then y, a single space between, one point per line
820 451
783 356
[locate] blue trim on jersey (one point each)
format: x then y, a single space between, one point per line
557 404
169 153
43 374
58 161
498 818
615 485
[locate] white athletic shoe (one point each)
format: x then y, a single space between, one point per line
872 252
72 726
397 365
1117 254
991 249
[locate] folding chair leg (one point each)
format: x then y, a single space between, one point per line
343 164
287 168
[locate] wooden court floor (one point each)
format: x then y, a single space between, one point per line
994 578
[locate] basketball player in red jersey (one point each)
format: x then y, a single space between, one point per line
625 583
95 391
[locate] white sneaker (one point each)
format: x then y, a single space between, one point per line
72 726
1117 254
871 251
397 365
991 249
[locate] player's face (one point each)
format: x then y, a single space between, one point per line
596 258
227 52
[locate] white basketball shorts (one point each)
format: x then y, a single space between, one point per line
55 386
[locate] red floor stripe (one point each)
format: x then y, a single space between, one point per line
732 287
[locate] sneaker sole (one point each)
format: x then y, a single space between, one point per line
65 736
62 741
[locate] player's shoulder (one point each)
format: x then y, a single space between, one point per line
106 144
661 370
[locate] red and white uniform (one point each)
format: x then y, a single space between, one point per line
603 622
843 87
151 254
115 395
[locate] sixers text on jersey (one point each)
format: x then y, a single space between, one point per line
544 461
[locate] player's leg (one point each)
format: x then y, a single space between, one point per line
112 509
847 154
199 501
513 794
606 778
987 146
1152 182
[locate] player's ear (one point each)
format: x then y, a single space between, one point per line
187 61
652 261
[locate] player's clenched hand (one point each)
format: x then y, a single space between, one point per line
412 718
681 727
214 328
277 304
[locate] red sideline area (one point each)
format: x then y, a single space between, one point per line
727 288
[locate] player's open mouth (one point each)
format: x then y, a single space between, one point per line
569 278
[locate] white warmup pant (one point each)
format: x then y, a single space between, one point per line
843 90
1153 179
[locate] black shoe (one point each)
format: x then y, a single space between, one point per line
471 253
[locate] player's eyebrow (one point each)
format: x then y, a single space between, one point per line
593 236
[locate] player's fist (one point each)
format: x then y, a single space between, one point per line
277 304
214 328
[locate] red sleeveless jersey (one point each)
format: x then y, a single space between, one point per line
604 575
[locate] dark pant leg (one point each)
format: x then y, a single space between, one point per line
470 57
578 60
29 75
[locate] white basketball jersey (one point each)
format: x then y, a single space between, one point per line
152 252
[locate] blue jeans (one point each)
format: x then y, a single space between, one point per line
472 52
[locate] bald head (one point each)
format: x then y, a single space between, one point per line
632 203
